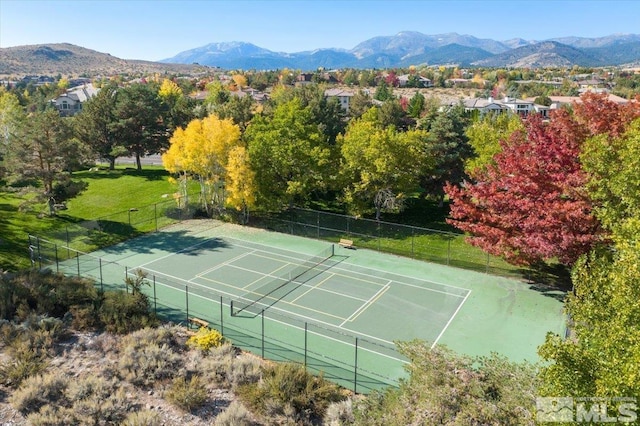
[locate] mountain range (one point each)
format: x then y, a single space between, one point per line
401 50
414 48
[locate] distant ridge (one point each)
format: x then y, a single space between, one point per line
401 50
414 48
70 60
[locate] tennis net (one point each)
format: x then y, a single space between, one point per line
254 301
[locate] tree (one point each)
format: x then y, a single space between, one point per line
448 144
139 124
201 152
240 182
359 104
383 92
11 117
485 136
289 155
612 164
416 105
380 164
391 113
96 125
178 110
448 389
42 150
530 206
238 109
601 356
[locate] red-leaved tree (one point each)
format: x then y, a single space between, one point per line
531 205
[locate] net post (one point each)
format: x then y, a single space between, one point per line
355 369
263 334
155 299
186 293
231 307
305 343
333 250
221 318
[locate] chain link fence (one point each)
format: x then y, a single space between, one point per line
446 248
353 362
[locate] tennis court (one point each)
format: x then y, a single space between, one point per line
334 309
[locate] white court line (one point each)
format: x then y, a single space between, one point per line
220 265
325 336
258 250
285 279
366 304
174 253
274 307
263 275
450 319
312 288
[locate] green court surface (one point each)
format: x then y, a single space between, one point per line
335 309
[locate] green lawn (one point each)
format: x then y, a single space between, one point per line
107 192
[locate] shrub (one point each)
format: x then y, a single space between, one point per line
143 418
339 413
223 366
52 416
95 399
289 390
20 368
235 415
187 395
123 312
143 365
205 339
38 391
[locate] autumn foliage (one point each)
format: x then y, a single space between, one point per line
533 204
530 205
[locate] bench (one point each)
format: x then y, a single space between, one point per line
346 243
198 322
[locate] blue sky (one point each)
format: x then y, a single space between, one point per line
159 29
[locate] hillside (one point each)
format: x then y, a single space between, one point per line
71 60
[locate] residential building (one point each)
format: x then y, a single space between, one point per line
70 102
343 96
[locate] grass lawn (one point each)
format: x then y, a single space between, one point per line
107 192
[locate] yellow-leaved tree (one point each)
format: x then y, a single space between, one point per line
241 187
201 152
169 90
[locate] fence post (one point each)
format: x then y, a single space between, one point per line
39 253
126 275
55 247
68 252
101 284
448 250
263 334
348 231
355 370
305 344
155 215
221 318
488 260
413 236
379 242
155 299
78 262
318 224
186 293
